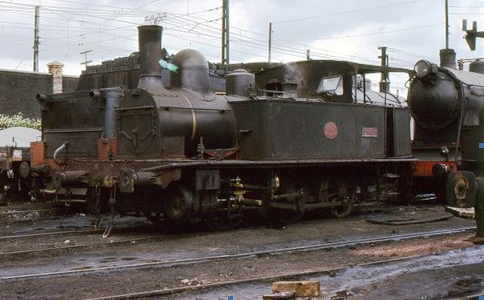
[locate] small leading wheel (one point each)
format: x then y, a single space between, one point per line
178 205
344 193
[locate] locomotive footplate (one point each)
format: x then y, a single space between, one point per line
128 174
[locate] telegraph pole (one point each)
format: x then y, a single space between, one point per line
446 24
225 34
36 39
85 58
384 86
270 42
447 56
472 34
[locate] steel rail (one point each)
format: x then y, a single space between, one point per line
188 261
43 215
184 289
51 233
6 213
15 254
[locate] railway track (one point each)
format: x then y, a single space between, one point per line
52 240
30 215
63 226
6 256
194 289
26 212
61 247
225 257
261 280
48 233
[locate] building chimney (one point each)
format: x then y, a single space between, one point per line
447 58
55 68
149 39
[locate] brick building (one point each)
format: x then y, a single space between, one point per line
18 88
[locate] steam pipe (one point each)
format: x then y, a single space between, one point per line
95 94
40 97
58 150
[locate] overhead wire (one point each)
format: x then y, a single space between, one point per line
240 36
262 44
395 50
349 11
23 59
374 33
300 51
466 6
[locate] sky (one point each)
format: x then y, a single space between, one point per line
330 29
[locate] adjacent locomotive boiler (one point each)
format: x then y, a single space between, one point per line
181 152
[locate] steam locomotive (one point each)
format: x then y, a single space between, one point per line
443 101
447 106
312 138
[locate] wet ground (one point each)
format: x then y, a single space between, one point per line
436 267
451 275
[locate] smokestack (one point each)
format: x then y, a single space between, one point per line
447 58
55 68
149 39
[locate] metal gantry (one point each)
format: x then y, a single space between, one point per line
225 34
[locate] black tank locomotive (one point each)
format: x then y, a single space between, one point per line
447 106
182 152
444 103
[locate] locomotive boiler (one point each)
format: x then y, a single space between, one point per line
153 119
181 152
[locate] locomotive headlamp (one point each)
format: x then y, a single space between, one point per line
423 68
444 151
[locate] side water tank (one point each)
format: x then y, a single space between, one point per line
477 66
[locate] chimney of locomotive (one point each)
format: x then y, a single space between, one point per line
447 59
149 39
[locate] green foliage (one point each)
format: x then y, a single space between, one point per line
18 120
